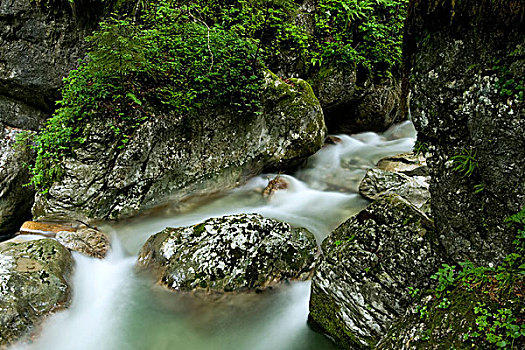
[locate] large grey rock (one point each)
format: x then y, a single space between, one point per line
410 164
15 199
40 42
361 281
229 254
169 158
34 281
465 60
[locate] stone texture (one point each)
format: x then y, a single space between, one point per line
231 253
406 163
40 41
378 183
15 199
361 281
86 241
34 281
460 55
46 228
168 159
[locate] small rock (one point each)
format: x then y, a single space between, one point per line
407 163
278 183
378 183
86 241
332 140
231 253
45 228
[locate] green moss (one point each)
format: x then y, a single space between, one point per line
324 317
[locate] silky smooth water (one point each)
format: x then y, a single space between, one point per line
116 308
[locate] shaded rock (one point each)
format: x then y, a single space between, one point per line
15 199
86 241
460 55
40 42
360 284
34 281
276 184
169 159
353 100
377 183
407 163
231 253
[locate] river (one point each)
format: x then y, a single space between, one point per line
114 307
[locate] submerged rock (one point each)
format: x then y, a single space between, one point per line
86 241
231 253
169 159
15 199
361 281
34 281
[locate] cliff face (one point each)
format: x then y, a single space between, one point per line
40 42
465 65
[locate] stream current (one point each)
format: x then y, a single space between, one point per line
115 308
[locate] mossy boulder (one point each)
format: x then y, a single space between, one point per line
231 253
465 67
361 281
169 158
34 281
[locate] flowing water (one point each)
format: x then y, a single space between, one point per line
115 308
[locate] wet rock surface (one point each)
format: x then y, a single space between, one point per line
86 241
361 281
167 158
231 253
34 281
15 199
378 183
466 61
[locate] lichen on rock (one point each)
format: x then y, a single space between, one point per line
231 253
34 281
361 281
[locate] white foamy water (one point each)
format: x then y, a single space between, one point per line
114 308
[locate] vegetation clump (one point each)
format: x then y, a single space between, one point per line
488 302
169 60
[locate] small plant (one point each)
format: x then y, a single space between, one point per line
420 147
465 162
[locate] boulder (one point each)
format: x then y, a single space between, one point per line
231 253
465 67
15 199
361 281
40 42
34 281
86 241
169 159
377 183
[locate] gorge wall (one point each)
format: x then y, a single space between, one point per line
465 67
